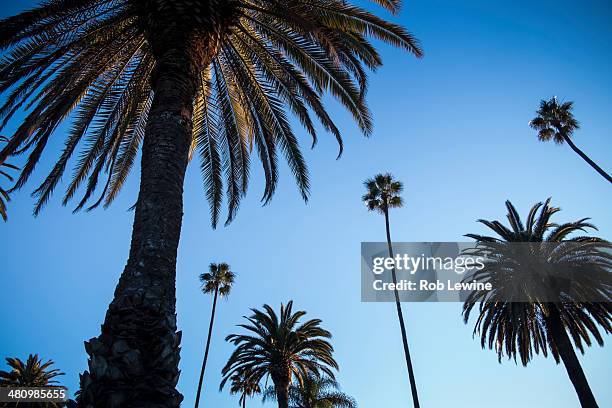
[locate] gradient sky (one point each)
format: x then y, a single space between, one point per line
453 127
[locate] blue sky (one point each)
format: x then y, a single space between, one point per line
452 127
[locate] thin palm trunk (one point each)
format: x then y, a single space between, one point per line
413 389
135 360
570 360
210 328
587 159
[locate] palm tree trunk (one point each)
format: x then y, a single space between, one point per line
587 159
282 392
210 328
570 360
134 362
413 389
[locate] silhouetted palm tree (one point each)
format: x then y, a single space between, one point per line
245 386
525 328
4 197
383 193
32 373
219 281
281 348
315 392
556 122
173 79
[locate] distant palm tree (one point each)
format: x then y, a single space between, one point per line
556 122
168 80
281 348
219 281
32 373
383 193
245 386
524 328
315 392
4 196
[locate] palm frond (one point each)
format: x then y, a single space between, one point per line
383 192
92 62
522 329
278 347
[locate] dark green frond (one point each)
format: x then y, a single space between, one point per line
522 329
32 373
280 348
554 121
383 192
91 61
218 278
4 196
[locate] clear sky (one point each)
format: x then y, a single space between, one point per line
453 127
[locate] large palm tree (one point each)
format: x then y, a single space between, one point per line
315 392
556 122
383 193
245 386
281 348
174 79
525 328
4 196
218 281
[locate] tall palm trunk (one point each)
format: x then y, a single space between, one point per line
210 327
134 362
587 159
570 360
281 386
400 316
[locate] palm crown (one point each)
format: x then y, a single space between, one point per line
280 347
245 386
253 61
383 192
219 277
522 328
32 373
316 392
555 121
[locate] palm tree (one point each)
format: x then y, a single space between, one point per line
245 386
4 197
556 122
281 349
174 79
32 373
540 325
218 280
383 193
315 392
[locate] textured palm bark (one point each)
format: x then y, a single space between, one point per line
134 362
400 316
281 386
570 360
282 395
